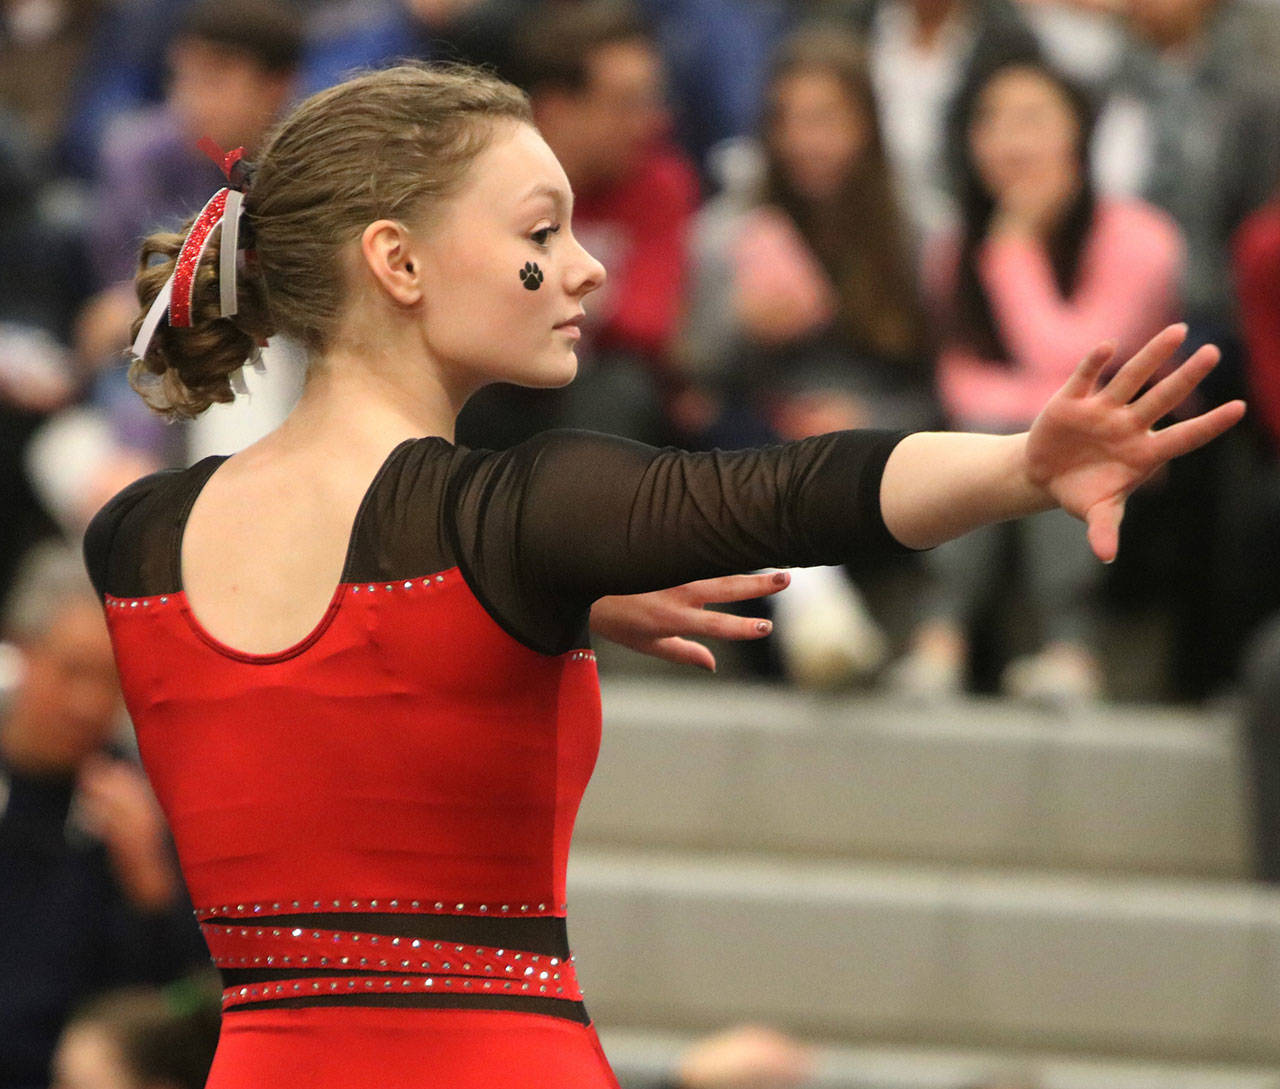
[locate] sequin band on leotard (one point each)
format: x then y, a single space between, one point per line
401 960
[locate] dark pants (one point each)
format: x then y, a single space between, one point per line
1262 747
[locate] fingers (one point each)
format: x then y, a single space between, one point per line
738 587
1145 362
1182 438
1173 389
684 652
709 624
1085 377
1103 520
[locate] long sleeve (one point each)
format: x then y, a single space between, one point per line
544 529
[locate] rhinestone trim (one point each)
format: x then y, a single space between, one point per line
308 948
249 909
303 987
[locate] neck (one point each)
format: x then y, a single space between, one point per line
375 398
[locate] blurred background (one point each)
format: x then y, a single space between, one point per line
989 816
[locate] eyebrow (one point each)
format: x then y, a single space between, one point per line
558 196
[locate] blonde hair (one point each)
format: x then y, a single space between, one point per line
386 144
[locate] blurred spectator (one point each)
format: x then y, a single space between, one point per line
43 44
1254 585
805 314
38 295
1192 124
142 1038
355 34
595 78
923 52
232 65
717 56
91 896
1257 279
749 1057
1043 271
231 69
746 1057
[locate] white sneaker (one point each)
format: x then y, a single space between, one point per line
1062 676
925 678
826 635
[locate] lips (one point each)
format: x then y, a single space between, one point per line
573 322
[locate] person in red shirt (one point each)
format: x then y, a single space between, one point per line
1257 268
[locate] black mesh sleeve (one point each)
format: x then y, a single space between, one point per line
103 529
545 528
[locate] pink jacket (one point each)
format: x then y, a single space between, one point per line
1127 291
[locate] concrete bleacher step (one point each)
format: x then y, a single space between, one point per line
1132 968
1121 789
642 1058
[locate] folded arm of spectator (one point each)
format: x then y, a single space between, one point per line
1127 286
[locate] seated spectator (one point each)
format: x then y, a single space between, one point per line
745 1057
717 54
231 67
595 78
142 1038
37 299
1042 271
1192 125
805 315
1254 594
353 34
91 896
1257 280
42 50
923 53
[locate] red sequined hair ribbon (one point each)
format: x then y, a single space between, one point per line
224 211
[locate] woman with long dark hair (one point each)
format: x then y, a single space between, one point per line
1041 268
806 313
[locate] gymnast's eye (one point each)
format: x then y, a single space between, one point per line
540 237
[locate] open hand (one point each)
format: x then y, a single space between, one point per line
667 623
1091 447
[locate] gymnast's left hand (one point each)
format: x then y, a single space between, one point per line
667 624
1092 445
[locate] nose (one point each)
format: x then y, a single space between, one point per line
585 273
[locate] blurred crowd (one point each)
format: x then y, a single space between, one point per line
816 214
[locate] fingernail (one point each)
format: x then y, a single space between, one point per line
780 578
764 627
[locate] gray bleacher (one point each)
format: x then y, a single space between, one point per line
927 894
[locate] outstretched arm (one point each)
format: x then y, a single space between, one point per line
1089 448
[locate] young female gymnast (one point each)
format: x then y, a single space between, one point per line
356 654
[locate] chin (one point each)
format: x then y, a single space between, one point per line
555 376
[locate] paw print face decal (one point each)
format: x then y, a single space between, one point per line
531 276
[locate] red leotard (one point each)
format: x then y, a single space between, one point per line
374 824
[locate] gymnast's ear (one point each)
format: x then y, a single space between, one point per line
389 255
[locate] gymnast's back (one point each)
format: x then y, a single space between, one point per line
373 820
